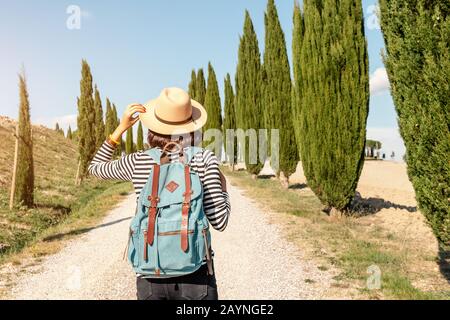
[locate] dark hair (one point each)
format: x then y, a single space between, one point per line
155 139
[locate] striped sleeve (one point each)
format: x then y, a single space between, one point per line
103 167
216 202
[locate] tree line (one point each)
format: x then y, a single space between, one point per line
94 127
321 113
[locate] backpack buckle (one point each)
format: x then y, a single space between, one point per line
153 201
186 204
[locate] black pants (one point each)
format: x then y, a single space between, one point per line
195 286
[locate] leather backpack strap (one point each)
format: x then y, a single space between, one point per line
153 209
185 209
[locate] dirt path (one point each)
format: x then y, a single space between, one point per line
88 267
253 261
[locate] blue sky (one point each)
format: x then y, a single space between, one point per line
136 48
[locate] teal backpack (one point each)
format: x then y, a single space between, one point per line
169 235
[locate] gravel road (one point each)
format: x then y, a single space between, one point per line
252 260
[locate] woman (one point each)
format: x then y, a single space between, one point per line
172 117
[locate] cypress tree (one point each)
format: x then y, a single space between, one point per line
86 120
140 138
58 129
192 85
417 59
75 135
213 107
129 147
115 118
229 122
99 124
200 87
277 91
69 133
110 120
297 42
248 89
24 183
334 94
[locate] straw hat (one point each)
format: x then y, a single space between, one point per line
173 112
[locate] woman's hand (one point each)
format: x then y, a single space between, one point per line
128 120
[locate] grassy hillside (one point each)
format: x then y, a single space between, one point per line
56 196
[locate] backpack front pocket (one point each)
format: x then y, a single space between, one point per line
171 256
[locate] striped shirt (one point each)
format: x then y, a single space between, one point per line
136 167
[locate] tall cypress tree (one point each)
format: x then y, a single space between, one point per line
58 129
334 94
248 89
229 122
129 145
192 85
213 108
417 59
99 124
69 133
200 87
297 43
140 137
24 183
277 91
109 120
115 117
86 120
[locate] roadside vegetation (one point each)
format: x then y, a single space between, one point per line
350 244
60 207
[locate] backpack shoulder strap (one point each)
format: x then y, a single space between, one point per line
190 152
153 209
185 209
155 153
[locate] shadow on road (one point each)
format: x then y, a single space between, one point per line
82 230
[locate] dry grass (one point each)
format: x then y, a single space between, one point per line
350 244
55 157
61 208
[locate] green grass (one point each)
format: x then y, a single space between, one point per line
345 242
28 247
25 226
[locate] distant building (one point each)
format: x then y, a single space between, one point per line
373 149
